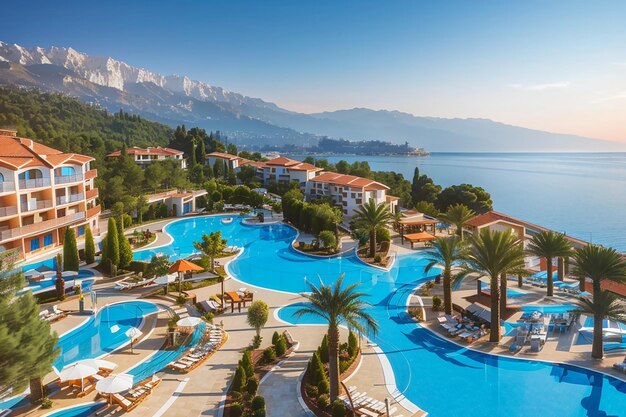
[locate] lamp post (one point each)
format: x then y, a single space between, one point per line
387 405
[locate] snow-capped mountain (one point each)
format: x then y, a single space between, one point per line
174 99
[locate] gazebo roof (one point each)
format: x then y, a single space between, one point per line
419 237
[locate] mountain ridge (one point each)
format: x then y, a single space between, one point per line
175 99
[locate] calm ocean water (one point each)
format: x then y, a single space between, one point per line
583 195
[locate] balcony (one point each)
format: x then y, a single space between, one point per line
35 183
91 194
72 198
8 211
6 187
36 205
94 211
92 173
40 226
68 179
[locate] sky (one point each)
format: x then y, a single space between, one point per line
558 66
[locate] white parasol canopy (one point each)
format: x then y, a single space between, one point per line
165 279
133 333
189 322
98 363
115 383
77 371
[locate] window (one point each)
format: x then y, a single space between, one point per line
353 195
64 171
1 177
31 174
47 240
34 244
81 230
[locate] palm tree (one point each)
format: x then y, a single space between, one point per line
336 305
550 245
369 217
492 254
457 215
599 263
603 305
446 252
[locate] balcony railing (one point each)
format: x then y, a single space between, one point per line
40 226
92 173
72 198
66 179
7 186
91 194
8 211
94 211
35 183
36 205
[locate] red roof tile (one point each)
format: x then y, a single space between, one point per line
349 180
158 150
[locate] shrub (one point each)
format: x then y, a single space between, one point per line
323 387
416 313
46 403
383 235
437 303
259 413
239 382
127 220
323 402
236 395
90 248
311 390
181 299
257 315
317 369
209 317
256 341
70 251
328 239
377 258
353 344
246 362
236 410
323 349
275 338
258 403
281 346
252 385
269 355
339 409
139 267
384 246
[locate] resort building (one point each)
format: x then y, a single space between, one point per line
145 156
348 191
286 170
234 163
179 203
524 231
43 191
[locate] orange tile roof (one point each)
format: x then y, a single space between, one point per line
349 180
18 153
494 216
283 161
150 150
257 164
222 155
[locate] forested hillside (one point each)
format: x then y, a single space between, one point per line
69 125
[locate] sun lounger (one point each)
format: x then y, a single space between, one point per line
288 338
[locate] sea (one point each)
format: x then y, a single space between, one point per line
579 194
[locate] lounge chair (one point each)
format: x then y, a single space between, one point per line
621 366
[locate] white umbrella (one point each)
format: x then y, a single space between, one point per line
165 279
98 363
189 322
77 371
115 383
133 333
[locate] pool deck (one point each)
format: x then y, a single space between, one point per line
201 391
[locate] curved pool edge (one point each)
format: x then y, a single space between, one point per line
71 407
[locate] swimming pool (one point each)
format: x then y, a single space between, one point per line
103 333
439 376
81 410
549 308
510 292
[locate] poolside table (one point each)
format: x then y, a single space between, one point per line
234 298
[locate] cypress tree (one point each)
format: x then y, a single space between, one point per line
192 155
90 248
70 251
246 363
201 152
323 349
28 345
239 382
113 244
126 252
104 253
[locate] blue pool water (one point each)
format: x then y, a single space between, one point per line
162 358
439 376
102 333
510 292
549 309
82 410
